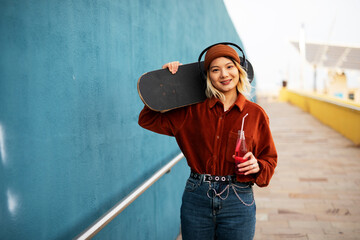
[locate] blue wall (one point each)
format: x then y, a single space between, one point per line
70 145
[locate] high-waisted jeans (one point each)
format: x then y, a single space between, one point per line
215 210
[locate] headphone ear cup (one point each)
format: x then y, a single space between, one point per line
203 74
243 63
246 65
250 71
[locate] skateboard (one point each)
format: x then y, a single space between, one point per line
162 91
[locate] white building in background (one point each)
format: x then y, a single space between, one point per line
338 60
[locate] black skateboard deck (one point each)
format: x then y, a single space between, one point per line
162 91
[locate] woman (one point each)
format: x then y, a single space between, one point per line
218 200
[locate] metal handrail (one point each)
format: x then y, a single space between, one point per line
93 229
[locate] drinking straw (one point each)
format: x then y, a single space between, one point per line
242 124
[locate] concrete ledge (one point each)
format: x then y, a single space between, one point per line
340 115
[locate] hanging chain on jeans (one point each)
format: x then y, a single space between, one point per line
246 204
218 194
227 188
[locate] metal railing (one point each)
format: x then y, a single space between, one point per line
92 230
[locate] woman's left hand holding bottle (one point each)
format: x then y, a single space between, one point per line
250 166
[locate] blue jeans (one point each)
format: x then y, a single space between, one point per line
214 210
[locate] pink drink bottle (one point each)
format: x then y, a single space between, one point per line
240 151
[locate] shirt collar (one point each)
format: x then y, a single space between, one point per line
240 101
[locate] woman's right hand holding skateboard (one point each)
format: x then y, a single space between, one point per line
172 66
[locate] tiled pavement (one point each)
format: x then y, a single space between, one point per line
315 192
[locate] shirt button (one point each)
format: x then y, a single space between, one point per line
217 137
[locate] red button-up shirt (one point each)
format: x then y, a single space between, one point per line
206 134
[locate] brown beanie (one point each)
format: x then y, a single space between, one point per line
220 50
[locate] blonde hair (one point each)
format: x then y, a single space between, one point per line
243 86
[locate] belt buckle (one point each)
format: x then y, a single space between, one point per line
209 178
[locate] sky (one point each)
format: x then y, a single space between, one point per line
266 28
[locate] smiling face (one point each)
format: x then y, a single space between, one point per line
224 75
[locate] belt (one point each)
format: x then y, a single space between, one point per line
213 178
